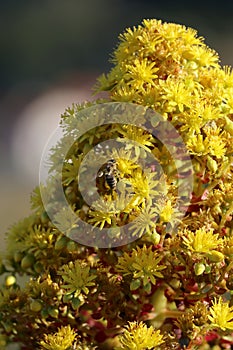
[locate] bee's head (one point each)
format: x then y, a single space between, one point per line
112 161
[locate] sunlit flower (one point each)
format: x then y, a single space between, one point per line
228 246
216 145
126 161
142 263
166 212
221 315
212 144
63 339
102 213
144 184
145 222
137 135
77 277
176 94
141 73
196 144
125 93
202 240
137 336
205 56
100 218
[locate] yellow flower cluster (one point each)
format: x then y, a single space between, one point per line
77 278
221 315
167 67
161 287
63 339
143 265
137 336
204 241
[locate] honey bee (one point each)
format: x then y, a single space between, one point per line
107 176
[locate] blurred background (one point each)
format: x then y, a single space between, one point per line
51 53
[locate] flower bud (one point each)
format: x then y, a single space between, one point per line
10 280
228 125
72 246
216 256
199 268
212 164
18 256
36 305
38 267
27 261
53 312
61 243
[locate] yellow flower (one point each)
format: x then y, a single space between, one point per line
129 44
142 263
217 146
100 218
213 144
125 93
77 277
63 339
125 165
141 73
144 185
202 240
102 213
176 94
228 246
166 212
196 144
145 222
204 56
221 315
137 135
137 336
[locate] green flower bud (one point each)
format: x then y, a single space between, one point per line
147 288
38 267
229 125
44 313
212 164
199 268
36 305
67 298
155 238
53 312
18 256
216 256
175 283
61 243
10 280
71 246
76 302
207 269
27 261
